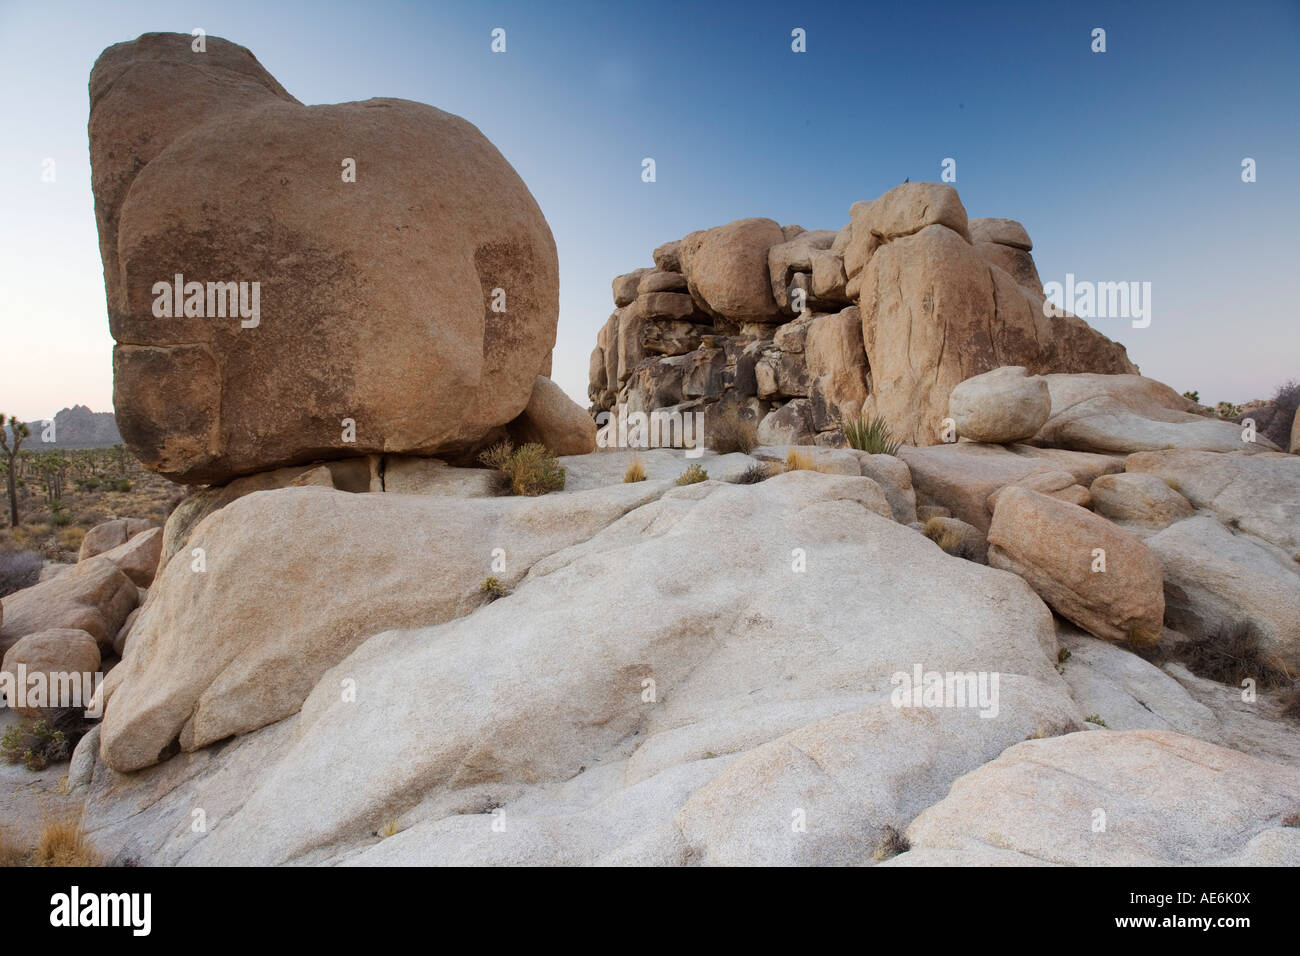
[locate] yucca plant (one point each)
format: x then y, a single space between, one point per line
870 434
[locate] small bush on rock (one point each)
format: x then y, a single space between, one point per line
635 472
529 470
798 461
492 589
754 474
692 475
870 434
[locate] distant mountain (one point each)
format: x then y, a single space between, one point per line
75 427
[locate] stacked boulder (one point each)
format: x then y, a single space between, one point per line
799 329
372 277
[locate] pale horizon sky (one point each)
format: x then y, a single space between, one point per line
1123 166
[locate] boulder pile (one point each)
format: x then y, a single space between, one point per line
1079 593
798 330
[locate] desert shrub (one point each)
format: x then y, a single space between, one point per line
950 539
754 474
1096 719
870 434
492 588
59 516
1194 396
635 472
891 844
529 470
69 539
1287 400
38 742
1289 703
726 431
1230 655
692 475
63 843
121 484
18 569
89 484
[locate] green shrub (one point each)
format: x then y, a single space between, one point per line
37 743
692 475
1096 719
492 589
870 434
1194 396
529 470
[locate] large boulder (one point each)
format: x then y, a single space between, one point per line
138 558
95 597
1165 800
589 740
51 661
553 419
1139 499
409 310
1259 494
727 271
1002 406
1087 569
208 659
111 534
964 476
1216 582
1119 414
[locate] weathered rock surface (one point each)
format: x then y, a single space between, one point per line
741 651
110 534
1216 581
57 654
726 269
95 597
1169 800
1119 414
1140 499
1260 494
1003 406
418 301
962 476
553 419
138 557
1089 570
207 662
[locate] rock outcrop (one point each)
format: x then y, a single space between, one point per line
763 321
407 308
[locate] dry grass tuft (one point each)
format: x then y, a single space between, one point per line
798 461
63 843
727 431
692 475
635 472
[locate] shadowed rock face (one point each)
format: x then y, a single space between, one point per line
378 297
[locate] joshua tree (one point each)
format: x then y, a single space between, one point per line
19 430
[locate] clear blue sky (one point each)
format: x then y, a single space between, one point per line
1123 165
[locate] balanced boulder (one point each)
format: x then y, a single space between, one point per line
1004 405
287 283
